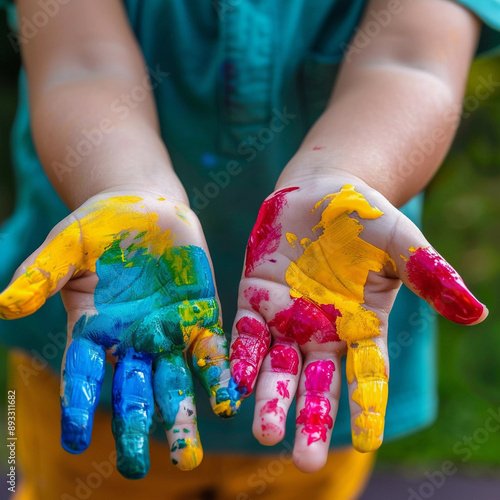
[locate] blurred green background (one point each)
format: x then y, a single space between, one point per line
462 220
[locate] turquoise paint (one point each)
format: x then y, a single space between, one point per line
143 302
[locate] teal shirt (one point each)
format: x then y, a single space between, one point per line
238 83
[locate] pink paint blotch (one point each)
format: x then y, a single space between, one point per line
437 281
319 375
266 234
305 321
315 416
282 388
255 296
316 419
248 351
271 410
284 359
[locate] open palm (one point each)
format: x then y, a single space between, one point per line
323 267
138 288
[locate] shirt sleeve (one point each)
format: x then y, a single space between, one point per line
489 13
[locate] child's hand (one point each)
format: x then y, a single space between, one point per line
137 285
323 266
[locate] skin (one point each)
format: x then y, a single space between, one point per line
397 89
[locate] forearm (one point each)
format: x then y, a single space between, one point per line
93 114
394 111
94 136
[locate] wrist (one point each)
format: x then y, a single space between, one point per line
336 168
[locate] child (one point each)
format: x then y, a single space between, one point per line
238 86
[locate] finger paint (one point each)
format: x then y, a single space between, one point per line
133 408
282 388
255 296
186 453
272 418
438 282
305 321
151 298
365 363
80 389
332 271
315 416
334 268
266 234
78 247
284 359
248 351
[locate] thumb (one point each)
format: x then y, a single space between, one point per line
424 271
44 273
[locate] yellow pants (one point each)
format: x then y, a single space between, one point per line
50 473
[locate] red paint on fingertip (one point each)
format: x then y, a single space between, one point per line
284 359
437 281
304 321
255 296
248 351
266 234
272 411
317 148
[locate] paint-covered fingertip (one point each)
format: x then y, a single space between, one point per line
132 455
366 441
438 283
186 454
244 375
76 430
227 400
25 296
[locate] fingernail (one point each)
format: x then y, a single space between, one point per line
186 454
76 430
438 282
132 455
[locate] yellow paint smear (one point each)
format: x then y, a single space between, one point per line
78 247
333 271
365 363
190 456
291 238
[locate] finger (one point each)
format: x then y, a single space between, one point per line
317 403
44 273
276 388
209 351
133 408
428 275
81 385
251 339
174 396
367 376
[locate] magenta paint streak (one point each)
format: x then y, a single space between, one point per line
248 351
265 236
272 408
315 416
282 388
255 296
437 281
305 321
284 359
